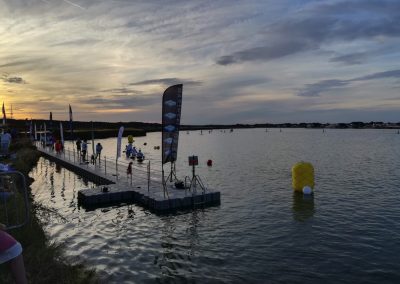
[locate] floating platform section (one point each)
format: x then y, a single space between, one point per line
141 188
179 199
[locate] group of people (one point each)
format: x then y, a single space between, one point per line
132 152
55 144
82 146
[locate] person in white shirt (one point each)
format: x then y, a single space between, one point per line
5 141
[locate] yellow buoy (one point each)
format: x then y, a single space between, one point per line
302 175
130 139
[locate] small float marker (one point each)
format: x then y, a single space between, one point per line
307 190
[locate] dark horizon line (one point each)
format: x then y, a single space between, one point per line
218 124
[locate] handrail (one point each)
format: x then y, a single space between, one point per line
13 193
110 168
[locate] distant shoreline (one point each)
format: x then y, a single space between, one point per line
82 129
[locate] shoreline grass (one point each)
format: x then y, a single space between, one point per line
45 261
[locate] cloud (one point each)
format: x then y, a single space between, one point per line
125 101
167 82
13 80
121 91
379 75
315 89
265 53
74 4
89 57
77 42
350 59
320 24
20 62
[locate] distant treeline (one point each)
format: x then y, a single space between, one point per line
110 129
23 125
356 124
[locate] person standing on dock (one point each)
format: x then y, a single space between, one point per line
78 146
58 147
99 148
128 150
84 150
5 141
129 170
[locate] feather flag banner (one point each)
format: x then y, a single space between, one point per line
61 134
119 141
171 118
71 128
4 115
51 121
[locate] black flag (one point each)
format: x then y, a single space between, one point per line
51 121
71 128
171 118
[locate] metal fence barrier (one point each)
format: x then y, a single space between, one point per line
14 204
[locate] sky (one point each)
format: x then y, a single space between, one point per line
249 61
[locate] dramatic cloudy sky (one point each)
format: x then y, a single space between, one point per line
249 61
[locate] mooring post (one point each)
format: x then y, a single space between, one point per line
148 178
170 180
116 168
163 178
105 165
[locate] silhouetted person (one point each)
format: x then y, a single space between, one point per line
84 150
99 148
78 145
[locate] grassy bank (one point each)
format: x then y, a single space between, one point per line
44 261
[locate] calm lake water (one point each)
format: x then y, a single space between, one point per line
348 232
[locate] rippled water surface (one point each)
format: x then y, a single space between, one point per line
348 232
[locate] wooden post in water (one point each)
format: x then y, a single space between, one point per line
170 180
131 178
105 165
148 177
116 168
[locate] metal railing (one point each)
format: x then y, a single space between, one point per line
143 175
111 169
14 204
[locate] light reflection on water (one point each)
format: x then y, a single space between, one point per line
348 232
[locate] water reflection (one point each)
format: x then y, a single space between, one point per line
303 206
58 168
192 231
175 262
253 237
63 184
52 191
